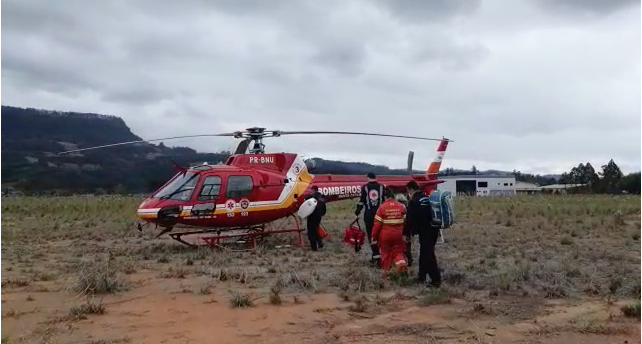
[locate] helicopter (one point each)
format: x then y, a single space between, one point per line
240 198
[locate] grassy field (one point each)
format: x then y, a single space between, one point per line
522 269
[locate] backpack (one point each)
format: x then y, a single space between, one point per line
441 202
354 235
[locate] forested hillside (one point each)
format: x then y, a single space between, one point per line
31 139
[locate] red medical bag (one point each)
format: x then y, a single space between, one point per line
322 232
354 235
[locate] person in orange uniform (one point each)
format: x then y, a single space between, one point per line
387 232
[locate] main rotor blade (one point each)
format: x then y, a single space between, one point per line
278 132
139 141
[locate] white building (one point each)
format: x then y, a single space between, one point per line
526 188
559 188
479 185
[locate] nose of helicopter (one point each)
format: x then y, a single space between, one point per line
147 210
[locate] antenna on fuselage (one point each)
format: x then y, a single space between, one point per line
411 156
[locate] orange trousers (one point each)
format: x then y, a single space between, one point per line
392 249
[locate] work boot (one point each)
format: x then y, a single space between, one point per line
376 262
434 285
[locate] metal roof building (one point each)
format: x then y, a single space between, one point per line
479 185
526 188
559 188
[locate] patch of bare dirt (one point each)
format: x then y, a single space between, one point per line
516 270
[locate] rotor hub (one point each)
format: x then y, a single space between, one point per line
256 134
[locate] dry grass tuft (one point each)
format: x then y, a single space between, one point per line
99 277
241 300
400 278
583 327
206 289
238 275
15 282
361 305
434 296
632 310
275 295
176 272
81 311
294 280
411 329
361 279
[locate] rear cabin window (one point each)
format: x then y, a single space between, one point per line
211 188
239 186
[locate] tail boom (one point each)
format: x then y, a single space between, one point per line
340 187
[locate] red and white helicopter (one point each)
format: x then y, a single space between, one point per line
240 198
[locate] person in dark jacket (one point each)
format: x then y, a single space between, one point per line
314 220
371 199
418 222
315 193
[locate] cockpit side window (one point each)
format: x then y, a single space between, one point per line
181 188
211 188
239 186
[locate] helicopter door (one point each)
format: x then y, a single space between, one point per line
208 196
239 194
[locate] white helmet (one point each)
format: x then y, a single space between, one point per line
401 198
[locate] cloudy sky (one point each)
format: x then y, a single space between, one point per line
533 85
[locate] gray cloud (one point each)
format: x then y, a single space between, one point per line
346 60
524 90
433 11
587 7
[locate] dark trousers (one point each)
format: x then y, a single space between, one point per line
409 252
368 218
313 233
427 260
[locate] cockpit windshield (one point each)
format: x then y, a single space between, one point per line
180 188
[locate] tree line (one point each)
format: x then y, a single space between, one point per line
609 179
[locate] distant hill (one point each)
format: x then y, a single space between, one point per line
32 137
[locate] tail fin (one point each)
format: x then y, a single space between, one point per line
434 166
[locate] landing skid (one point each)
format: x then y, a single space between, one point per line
247 237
